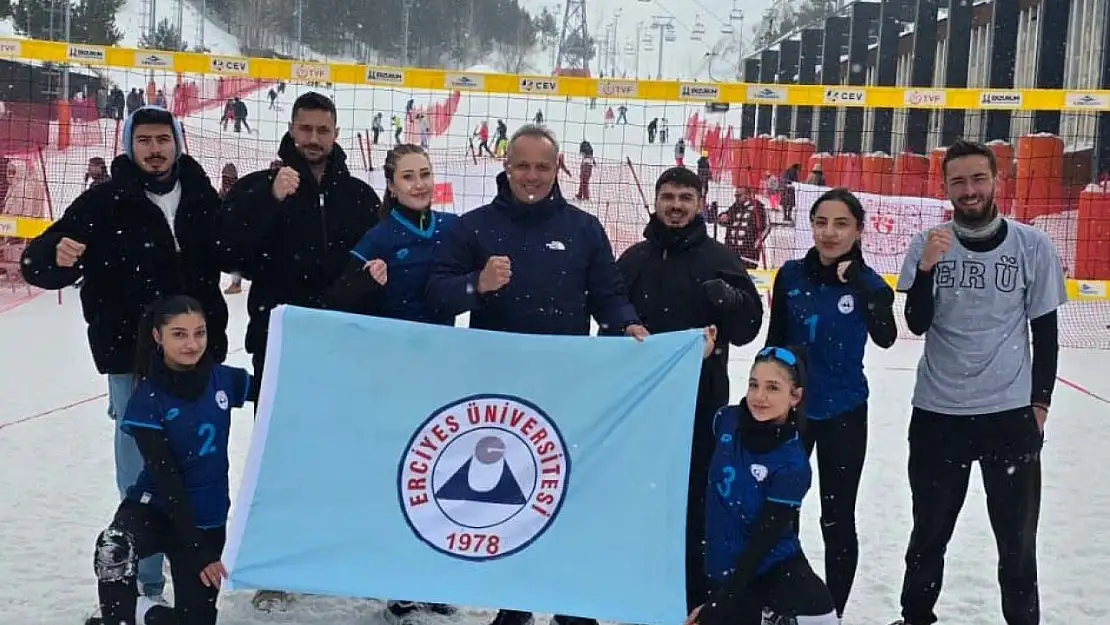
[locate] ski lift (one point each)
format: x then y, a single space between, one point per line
648 45
670 34
736 14
727 29
698 32
629 48
647 39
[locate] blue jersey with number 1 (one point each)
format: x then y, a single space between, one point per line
198 432
830 321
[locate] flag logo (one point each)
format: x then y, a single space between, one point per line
483 477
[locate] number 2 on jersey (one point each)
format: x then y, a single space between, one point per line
811 323
208 431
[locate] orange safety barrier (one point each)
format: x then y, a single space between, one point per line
1004 185
878 174
1039 187
849 171
934 187
911 174
1092 246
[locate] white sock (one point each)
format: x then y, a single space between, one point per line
824 619
143 605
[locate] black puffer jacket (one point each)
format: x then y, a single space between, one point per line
294 250
131 259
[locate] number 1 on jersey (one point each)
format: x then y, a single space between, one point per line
811 323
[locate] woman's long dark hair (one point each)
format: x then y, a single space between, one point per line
840 194
390 169
155 317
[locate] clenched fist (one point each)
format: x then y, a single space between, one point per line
496 274
285 183
377 270
937 245
68 252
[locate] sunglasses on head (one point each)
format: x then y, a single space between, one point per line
778 353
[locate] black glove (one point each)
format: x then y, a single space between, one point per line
720 294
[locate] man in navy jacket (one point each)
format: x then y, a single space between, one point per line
529 262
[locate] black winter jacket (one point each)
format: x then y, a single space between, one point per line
670 277
293 251
131 259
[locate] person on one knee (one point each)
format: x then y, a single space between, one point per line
830 302
180 419
977 287
758 476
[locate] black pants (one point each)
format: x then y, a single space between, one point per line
789 589
136 532
942 450
258 363
841 444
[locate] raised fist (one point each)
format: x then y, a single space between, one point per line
285 183
496 274
68 252
937 245
377 270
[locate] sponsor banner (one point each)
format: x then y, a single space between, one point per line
311 72
926 98
1080 101
11 47
8 227
617 89
466 82
154 60
539 86
230 66
701 92
845 95
385 76
86 54
771 95
1000 99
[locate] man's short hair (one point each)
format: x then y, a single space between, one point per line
962 148
534 130
679 177
313 101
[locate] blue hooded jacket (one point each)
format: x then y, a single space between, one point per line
563 270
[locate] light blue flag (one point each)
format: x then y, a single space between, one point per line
427 463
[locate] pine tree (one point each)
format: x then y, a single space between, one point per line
5 9
91 21
165 37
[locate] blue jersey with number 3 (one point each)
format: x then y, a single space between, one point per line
198 433
740 483
830 321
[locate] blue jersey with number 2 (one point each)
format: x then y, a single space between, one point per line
198 432
830 321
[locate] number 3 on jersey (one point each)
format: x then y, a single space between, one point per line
811 323
208 432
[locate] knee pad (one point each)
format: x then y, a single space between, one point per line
115 559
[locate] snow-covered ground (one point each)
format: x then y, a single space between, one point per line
57 489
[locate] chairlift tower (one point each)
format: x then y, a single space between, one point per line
574 42
663 23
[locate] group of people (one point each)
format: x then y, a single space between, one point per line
152 241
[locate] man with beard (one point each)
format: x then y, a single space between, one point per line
529 262
290 231
143 234
680 278
976 287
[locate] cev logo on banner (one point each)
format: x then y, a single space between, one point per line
466 81
311 72
925 97
11 47
690 91
387 76
539 85
766 94
616 89
231 66
155 60
1000 99
845 96
1086 101
86 54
